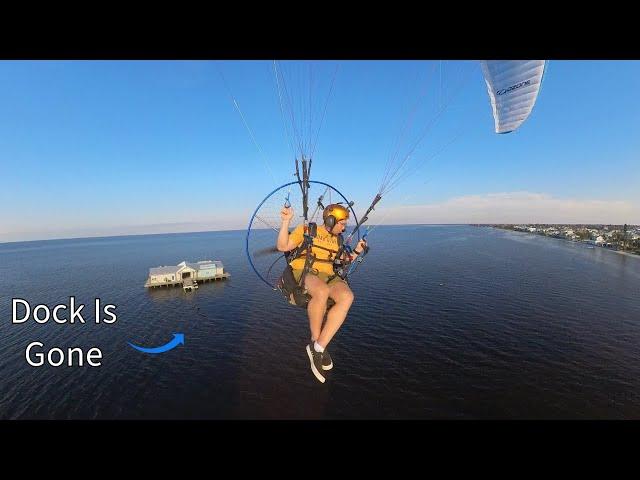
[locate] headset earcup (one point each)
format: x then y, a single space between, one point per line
330 221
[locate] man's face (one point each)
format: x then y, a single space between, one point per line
339 227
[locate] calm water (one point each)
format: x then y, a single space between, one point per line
448 322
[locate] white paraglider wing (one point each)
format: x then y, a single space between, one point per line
513 89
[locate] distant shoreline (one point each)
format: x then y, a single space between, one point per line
629 254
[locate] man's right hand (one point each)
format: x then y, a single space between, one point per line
286 214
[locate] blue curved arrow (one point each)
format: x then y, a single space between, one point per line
178 338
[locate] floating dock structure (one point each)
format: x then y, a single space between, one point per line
186 274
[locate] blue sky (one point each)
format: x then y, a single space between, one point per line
93 148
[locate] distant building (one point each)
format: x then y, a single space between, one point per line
186 274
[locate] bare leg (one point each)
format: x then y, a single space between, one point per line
343 296
317 306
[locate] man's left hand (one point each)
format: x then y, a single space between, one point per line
361 247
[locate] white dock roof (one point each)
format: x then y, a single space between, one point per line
163 270
202 264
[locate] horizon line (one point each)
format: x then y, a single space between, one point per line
98 237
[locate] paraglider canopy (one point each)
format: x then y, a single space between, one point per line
513 87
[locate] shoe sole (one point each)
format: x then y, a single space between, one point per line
327 367
313 365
